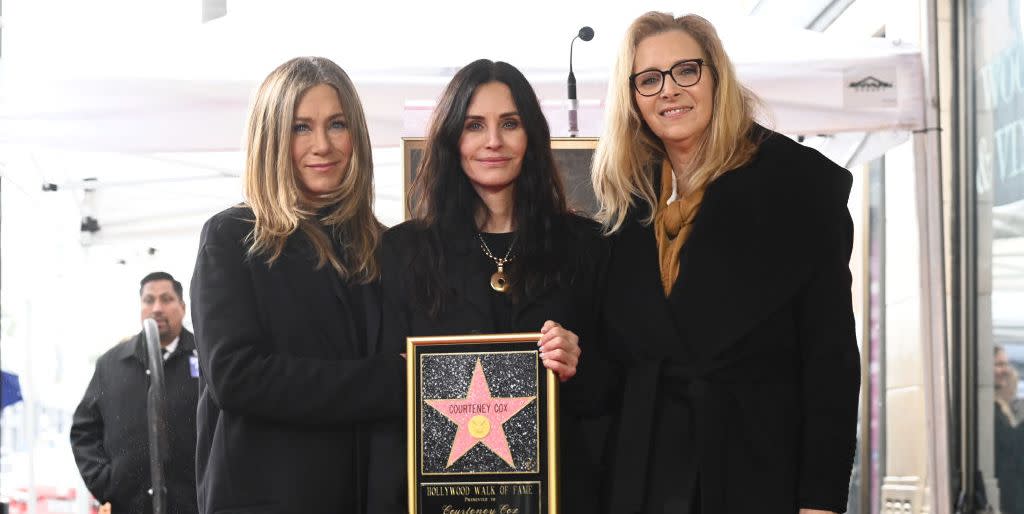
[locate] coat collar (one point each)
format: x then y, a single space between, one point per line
308 286
758 237
756 240
137 347
635 260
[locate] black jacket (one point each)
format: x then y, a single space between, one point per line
109 435
1009 455
745 380
287 383
467 275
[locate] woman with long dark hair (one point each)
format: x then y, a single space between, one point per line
492 247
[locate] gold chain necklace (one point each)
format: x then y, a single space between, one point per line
499 282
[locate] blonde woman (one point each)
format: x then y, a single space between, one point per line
728 290
285 311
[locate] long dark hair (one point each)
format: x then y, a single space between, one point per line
445 204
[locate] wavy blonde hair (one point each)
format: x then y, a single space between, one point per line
628 146
271 183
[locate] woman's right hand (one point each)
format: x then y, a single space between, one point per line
559 349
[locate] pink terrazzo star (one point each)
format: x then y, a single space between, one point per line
479 417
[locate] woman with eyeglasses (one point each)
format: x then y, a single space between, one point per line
728 296
492 249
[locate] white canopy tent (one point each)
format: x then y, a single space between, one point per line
156 116
139 123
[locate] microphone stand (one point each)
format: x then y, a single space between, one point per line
574 128
586 34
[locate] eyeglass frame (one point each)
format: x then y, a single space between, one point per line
701 63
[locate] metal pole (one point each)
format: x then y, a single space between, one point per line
155 414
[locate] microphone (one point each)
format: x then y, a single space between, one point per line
586 34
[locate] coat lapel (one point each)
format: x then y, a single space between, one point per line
754 244
316 290
537 298
371 302
634 271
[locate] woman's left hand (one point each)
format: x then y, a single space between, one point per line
559 349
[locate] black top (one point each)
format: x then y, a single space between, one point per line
355 315
475 308
501 303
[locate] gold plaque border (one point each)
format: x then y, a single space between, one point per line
412 357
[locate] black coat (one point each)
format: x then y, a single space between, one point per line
287 384
745 380
467 275
109 434
1009 455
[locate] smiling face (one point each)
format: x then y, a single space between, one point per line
1005 384
321 142
679 116
493 140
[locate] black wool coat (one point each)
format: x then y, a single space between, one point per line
744 381
288 384
575 306
109 434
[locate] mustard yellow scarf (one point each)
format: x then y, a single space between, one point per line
672 225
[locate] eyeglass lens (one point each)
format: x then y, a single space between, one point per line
685 74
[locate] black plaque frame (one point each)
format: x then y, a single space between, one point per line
429 490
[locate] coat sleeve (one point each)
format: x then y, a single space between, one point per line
243 373
387 475
830 381
592 392
87 440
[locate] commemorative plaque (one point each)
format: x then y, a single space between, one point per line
482 426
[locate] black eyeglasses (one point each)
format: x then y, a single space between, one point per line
684 74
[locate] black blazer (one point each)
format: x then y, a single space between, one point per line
575 306
288 387
109 434
754 349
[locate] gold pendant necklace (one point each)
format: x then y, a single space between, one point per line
499 282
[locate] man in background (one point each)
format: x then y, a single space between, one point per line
109 435
1009 435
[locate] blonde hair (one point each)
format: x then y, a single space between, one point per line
628 146
271 183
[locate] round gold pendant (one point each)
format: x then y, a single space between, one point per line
499 282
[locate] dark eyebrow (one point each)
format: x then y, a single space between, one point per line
652 68
331 117
502 115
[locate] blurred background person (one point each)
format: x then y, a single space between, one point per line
285 307
109 431
1009 435
729 298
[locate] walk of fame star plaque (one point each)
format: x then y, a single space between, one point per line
482 426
